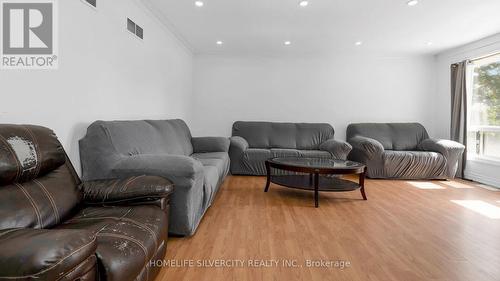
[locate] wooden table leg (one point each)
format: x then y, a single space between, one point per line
362 184
268 183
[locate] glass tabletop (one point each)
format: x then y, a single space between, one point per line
317 163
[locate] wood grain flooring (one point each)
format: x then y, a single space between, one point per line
407 230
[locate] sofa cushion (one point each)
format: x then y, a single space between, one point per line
283 135
146 136
40 203
276 152
413 164
315 154
127 237
392 136
44 254
27 152
219 160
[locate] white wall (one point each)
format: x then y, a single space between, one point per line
337 90
104 73
478 170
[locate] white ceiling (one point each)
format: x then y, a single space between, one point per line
326 26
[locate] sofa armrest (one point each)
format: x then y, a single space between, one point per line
210 144
369 147
134 189
237 147
448 148
42 254
167 166
451 150
338 149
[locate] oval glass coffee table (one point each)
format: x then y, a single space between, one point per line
315 174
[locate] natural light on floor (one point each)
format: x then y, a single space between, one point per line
425 185
456 184
480 207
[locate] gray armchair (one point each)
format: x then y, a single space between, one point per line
403 151
253 143
196 166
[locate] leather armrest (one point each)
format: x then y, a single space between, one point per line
338 149
133 189
43 254
210 144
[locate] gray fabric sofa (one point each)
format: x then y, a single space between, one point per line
196 166
252 143
403 151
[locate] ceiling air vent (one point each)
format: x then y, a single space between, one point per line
92 3
135 28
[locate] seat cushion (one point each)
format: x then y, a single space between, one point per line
413 164
45 254
275 152
127 237
219 160
215 169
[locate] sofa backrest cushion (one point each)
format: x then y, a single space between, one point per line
148 136
108 142
267 135
27 152
393 136
42 188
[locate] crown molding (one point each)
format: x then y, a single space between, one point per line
151 9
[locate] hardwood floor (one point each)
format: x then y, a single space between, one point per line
407 230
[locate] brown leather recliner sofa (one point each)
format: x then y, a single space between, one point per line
54 227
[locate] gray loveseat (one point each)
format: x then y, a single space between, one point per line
403 151
252 143
197 166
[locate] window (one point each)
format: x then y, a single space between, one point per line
483 111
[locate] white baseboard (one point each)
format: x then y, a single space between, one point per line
477 177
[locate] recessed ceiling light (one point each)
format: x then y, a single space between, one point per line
303 3
412 2
219 42
359 43
199 3
287 43
429 43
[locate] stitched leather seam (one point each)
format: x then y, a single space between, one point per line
37 149
52 266
144 226
131 181
134 199
65 274
110 190
51 199
128 181
148 229
9 231
14 156
77 219
33 204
